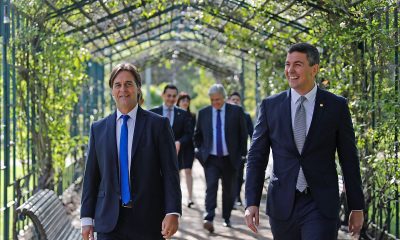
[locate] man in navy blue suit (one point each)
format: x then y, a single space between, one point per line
180 120
221 139
304 126
131 184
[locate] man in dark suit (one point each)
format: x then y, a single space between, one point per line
180 120
220 137
131 183
304 126
236 99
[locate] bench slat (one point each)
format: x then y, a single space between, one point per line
48 214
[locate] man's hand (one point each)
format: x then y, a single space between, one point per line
87 232
356 220
177 146
169 225
251 216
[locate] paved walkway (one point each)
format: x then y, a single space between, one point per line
191 223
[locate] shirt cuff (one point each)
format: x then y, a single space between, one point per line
174 213
86 221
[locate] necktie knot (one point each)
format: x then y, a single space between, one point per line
301 99
125 118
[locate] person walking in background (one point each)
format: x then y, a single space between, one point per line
304 126
235 98
130 150
179 119
221 139
187 149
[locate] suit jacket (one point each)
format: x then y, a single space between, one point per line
235 133
182 126
249 124
331 130
154 175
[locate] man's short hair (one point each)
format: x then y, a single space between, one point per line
129 67
170 86
310 50
235 94
217 88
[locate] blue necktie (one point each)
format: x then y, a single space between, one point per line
220 152
123 161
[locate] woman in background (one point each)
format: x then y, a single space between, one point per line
187 150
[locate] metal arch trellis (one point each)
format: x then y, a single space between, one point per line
221 67
176 6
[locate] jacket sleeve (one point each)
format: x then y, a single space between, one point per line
243 133
91 180
169 169
198 134
257 159
349 161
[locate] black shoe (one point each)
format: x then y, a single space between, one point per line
208 225
190 204
227 223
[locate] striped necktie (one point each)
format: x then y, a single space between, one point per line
299 132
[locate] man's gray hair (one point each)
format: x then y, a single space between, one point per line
217 88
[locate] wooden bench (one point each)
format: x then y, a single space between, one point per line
49 217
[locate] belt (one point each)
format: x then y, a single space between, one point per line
127 205
303 193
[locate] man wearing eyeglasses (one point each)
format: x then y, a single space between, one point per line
179 119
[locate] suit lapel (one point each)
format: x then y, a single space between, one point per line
112 141
286 118
177 115
209 123
316 119
139 126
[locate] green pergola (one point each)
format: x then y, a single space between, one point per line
227 37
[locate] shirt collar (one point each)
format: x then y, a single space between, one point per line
310 96
132 114
165 108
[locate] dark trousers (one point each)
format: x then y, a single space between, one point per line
240 180
125 229
216 168
305 222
